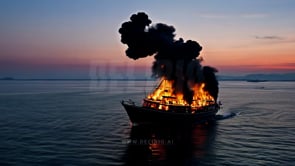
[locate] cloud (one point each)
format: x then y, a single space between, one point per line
233 16
271 37
214 16
289 65
254 15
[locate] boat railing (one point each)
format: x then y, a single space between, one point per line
128 102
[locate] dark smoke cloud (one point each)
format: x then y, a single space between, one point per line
175 60
211 83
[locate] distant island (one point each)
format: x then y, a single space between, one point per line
256 80
7 78
259 77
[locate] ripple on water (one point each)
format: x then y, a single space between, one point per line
68 123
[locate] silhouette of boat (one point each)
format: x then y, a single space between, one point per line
150 113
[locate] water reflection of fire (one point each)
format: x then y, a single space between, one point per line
188 144
164 97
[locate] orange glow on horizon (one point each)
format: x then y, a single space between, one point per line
261 58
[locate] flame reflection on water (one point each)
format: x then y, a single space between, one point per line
158 145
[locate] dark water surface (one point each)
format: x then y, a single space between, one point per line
83 123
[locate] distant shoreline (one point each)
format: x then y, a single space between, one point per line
256 81
248 78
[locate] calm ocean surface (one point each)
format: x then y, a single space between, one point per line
83 123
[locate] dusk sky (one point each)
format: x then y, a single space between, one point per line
80 39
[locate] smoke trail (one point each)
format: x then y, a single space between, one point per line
175 60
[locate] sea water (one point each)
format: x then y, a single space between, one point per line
83 123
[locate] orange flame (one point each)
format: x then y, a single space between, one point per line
164 95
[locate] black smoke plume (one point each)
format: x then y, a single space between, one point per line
175 60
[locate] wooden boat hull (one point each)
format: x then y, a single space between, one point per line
145 115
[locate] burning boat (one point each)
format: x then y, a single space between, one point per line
187 92
162 106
